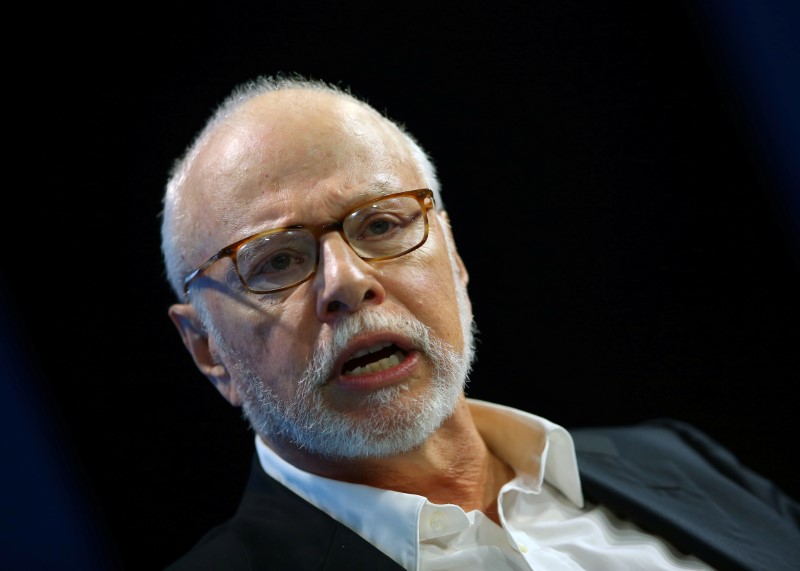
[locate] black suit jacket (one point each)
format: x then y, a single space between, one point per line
666 476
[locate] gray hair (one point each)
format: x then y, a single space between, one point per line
175 225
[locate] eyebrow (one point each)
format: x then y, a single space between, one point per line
371 191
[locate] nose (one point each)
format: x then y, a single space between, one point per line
344 282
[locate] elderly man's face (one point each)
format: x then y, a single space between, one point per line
365 358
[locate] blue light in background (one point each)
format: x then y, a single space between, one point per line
755 46
46 520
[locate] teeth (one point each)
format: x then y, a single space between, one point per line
372 349
381 365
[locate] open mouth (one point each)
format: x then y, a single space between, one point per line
374 359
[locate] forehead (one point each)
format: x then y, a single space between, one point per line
293 157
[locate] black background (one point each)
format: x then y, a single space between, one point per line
627 244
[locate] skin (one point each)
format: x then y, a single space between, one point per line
308 157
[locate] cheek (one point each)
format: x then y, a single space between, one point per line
269 339
431 296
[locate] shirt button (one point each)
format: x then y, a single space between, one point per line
523 547
437 522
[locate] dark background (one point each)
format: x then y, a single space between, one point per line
622 182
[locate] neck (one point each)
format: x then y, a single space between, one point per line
454 466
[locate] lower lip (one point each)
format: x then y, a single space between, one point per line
373 381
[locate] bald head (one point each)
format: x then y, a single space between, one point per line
267 137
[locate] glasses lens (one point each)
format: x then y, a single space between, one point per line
277 260
386 228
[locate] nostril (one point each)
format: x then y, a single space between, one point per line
337 306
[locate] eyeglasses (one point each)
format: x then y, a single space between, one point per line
281 258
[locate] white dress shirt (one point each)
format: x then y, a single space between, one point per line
545 523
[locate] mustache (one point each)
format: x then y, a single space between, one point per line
327 349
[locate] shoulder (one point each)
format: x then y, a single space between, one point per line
220 548
274 528
662 438
272 525
663 450
661 441
674 480
659 434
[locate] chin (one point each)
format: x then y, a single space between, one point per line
390 421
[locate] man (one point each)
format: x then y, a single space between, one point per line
321 290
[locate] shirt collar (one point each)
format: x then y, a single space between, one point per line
536 448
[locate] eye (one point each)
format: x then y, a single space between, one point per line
266 264
280 262
277 260
386 228
380 226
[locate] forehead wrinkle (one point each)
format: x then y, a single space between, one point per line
273 212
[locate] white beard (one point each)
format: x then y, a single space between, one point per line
396 422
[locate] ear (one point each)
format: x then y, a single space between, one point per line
195 339
463 275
